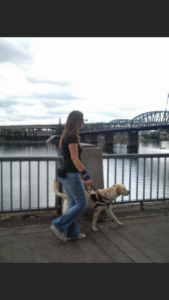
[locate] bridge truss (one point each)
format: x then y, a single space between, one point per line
120 123
145 119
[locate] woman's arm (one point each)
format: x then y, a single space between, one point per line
73 148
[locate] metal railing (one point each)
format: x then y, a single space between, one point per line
145 175
26 183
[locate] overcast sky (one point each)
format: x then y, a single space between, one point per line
43 79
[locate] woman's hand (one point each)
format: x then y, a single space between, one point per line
89 183
83 177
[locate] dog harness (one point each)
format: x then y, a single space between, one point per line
100 201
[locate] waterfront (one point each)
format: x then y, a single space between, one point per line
49 149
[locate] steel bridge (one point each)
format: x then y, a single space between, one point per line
155 120
145 119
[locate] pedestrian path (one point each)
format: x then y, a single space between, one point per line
139 240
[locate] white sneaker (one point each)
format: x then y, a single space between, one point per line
60 235
81 236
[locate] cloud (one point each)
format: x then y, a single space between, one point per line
129 108
13 52
5 103
61 83
55 96
8 103
53 104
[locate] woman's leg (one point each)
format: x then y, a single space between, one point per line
77 202
73 229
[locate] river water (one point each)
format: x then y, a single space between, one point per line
49 149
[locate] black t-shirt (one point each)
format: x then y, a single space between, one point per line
67 162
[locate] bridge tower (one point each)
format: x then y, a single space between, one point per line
109 139
132 146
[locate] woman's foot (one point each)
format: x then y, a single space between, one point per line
81 236
60 235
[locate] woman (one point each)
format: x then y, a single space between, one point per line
70 175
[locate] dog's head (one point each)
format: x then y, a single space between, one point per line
121 189
114 191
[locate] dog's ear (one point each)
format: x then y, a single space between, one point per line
120 189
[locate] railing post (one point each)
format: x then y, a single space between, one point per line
141 205
59 202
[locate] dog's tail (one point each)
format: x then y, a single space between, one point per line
55 189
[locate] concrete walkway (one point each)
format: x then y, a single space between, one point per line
143 238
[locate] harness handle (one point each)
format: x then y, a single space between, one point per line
86 188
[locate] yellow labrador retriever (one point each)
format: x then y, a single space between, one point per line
98 200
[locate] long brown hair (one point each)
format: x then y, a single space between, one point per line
73 123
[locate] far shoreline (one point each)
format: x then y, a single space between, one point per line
23 142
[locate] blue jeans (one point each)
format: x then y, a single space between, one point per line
77 202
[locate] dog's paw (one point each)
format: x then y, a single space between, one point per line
94 229
120 224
